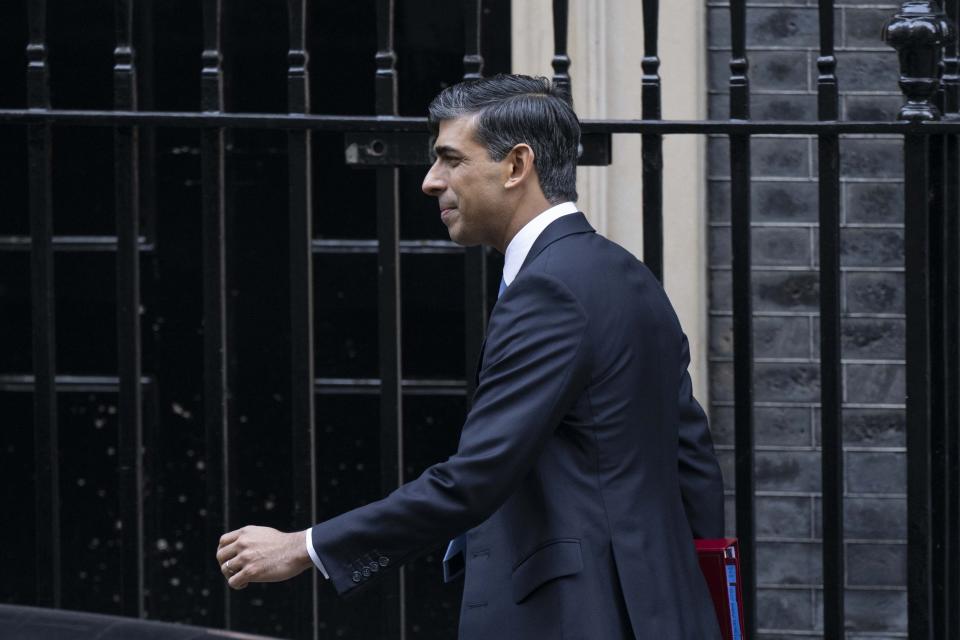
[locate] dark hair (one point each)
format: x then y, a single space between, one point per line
515 109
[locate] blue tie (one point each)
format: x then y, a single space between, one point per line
453 566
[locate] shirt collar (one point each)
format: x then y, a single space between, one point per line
520 246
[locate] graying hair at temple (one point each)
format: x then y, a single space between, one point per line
515 109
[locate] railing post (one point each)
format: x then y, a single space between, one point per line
216 391
43 303
918 33
652 145
831 368
475 258
951 104
393 594
741 266
302 398
561 61
127 198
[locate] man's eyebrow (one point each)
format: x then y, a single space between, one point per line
444 150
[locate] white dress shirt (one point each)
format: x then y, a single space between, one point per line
516 253
520 246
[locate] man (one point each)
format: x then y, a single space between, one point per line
585 468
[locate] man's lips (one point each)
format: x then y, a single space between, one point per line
446 211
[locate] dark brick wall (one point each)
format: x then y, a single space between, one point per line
783 42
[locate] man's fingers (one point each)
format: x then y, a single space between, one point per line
227 556
229 537
227 552
239 580
230 568
259 554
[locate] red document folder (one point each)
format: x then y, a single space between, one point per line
720 563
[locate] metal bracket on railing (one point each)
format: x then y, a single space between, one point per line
389 149
596 150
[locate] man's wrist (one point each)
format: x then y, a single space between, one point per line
312 554
301 558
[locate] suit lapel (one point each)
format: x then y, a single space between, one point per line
559 228
476 373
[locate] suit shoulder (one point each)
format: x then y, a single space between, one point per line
541 287
586 259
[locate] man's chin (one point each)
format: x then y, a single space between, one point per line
461 237
462 241
455 235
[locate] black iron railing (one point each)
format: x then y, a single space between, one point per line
384 141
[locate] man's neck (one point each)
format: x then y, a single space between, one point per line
523 241
527 211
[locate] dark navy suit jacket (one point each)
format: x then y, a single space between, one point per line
585 468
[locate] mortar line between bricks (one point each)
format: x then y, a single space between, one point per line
769 493
893 226
807 179
726 313
718 358
802 5
812 405
889 541
806 269
803 268
779 360
812 315
768 92
792 586
798 48
852 587
794 179
815 540
783 633
795 135
871 93
791 633
799 136
785 448
788 540
810 7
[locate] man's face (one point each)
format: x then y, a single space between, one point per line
469 186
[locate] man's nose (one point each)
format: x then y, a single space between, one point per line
432 184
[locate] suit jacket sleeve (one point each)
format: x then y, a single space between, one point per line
701 483
532 371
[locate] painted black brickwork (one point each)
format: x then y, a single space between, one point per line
783 40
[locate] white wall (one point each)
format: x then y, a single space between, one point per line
606 47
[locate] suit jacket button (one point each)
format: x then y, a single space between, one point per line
383 560
366 572
356 576
374 566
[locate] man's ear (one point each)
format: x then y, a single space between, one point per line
519 164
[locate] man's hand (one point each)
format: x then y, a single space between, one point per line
261 554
